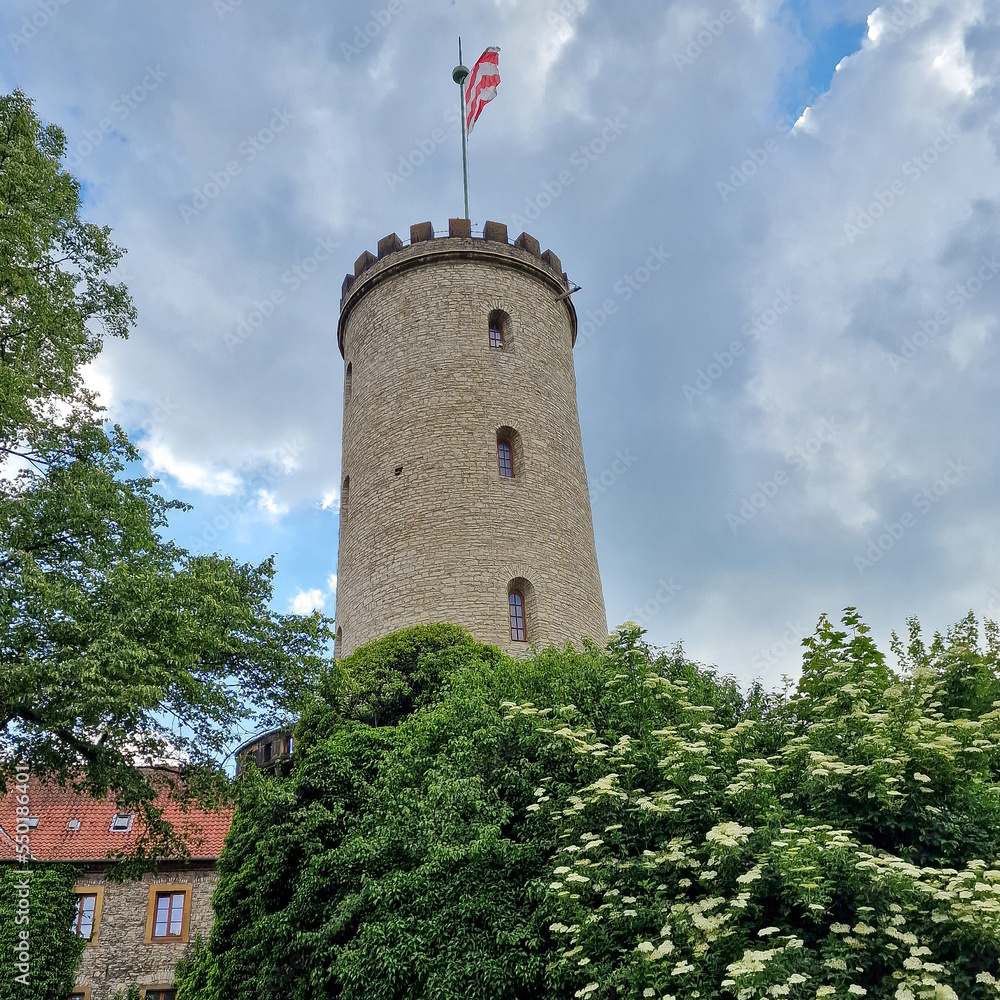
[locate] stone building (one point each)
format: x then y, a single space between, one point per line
464 496
271 752
136 931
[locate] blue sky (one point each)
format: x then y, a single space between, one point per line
824 46
807 387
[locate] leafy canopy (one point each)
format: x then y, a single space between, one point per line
625 823
53 268
119 647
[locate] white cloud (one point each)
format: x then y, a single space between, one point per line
99 381
954 69
11 465
189 474
970 340
860 239
270 506
305 602
896 18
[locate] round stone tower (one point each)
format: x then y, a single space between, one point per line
464 497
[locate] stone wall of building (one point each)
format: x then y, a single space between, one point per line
110 964
430 531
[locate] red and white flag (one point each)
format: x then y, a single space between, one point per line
481 87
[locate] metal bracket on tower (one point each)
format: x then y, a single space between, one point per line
572 291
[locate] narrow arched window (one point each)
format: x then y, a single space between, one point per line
518 633
348 379
345 497
505 456
496 334
498 329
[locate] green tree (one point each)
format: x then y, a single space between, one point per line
57 304
119 647
841 843
401 860
38 950
625 823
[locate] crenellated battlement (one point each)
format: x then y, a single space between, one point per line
426 244
424 232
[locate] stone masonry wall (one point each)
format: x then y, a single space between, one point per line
121 949
430 530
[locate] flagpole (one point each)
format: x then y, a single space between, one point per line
460 74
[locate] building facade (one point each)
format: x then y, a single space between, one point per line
271 752
136 931
464 495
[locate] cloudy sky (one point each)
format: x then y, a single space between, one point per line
785 218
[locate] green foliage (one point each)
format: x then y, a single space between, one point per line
129 993
624 823
119 646
399 861
384 681
194 973
53 949
57 301
854 856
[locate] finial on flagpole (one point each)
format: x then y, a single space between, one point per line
460 74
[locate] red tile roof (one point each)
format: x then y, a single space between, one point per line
56 805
